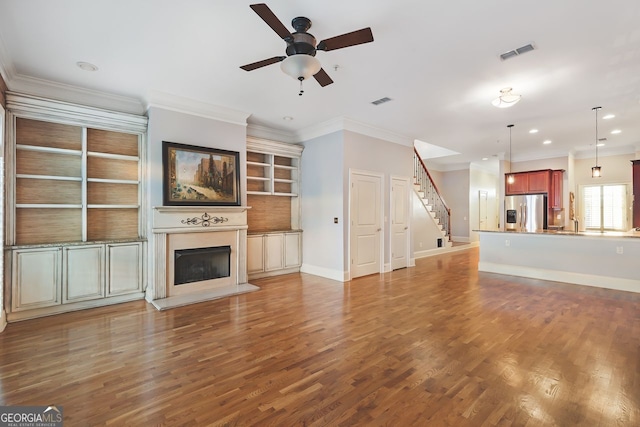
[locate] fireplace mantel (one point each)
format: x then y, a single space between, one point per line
188 219
170 209
169 221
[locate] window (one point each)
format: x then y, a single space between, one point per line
605 207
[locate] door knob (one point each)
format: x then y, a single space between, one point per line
379 229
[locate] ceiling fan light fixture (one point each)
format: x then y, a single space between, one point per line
506 99
301 66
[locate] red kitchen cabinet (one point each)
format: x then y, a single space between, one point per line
555 192
533 182
539 181
520 184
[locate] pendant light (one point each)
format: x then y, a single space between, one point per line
510 177
596 171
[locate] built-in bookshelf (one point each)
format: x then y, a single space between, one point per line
274 240
75 184
75 206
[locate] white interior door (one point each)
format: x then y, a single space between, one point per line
399 223
366 224
483 216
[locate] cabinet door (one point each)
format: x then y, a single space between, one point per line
539 182
36 277
292 250
274 251
255 254
83 273
520 184
124 268
555 195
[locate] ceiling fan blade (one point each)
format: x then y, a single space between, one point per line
272 20
322 77
345 40
263 63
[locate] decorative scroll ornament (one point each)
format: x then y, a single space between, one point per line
205 220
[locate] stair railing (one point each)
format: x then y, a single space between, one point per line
431 193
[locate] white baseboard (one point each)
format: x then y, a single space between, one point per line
439 251
606 282
460 239
328 273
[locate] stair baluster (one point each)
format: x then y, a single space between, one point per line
431 193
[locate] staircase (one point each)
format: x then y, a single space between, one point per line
431 198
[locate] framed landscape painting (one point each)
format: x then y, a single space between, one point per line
199 176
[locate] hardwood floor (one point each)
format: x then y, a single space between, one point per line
439 344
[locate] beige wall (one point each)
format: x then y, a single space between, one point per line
455 192
540 164
482 180
615 170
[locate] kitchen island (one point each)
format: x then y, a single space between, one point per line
607 260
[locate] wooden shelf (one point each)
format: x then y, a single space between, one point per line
259 164
68 177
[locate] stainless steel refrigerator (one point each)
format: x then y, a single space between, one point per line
526 213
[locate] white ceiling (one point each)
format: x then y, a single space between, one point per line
438 62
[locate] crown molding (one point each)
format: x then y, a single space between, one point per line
264 132
194 107
74 94
260 145
66 112
343 123
605 152
319 129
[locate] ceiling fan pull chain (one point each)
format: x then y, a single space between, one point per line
301 90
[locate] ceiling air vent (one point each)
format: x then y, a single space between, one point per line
381 100
519 51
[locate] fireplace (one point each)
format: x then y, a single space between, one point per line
200 253
189 251
199 264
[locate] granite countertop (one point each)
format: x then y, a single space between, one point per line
634 233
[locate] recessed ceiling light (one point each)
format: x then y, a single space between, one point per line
533 131
287 118
546 142
485 158
600 144
86 66
615 131
609 116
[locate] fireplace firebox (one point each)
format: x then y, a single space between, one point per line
200 264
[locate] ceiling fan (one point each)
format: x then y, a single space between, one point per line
300 62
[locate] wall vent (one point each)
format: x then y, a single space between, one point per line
519 51
381 101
